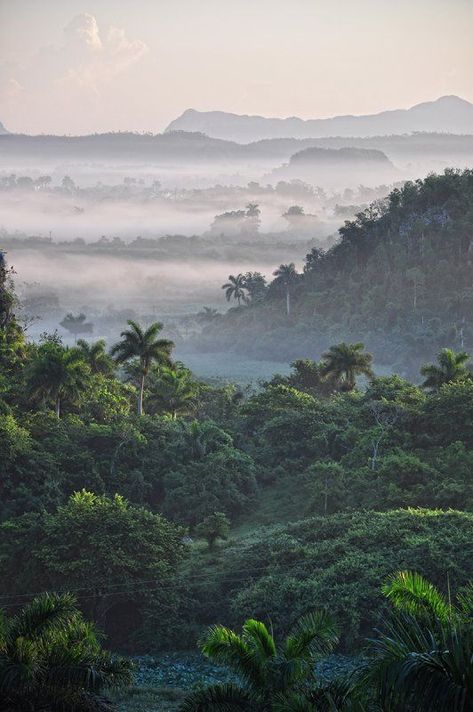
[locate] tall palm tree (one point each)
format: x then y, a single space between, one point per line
287 276
96 356
50 659
270 679
174 391
146 348
423 660
57 373
235 288
344 362
452 366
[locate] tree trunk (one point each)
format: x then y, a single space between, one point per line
140 396
288 302
58 407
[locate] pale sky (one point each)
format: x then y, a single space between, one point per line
82 66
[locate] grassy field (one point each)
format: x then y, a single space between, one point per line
231 368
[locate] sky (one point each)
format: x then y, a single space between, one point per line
85 66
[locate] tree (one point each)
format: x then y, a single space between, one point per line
50 659
287 276
422 660
235 288
417 277
68 184
7 297
344 362
255 285
215 526
76 325
57 373
270 679
96 356
327 482
174 391
252 218
146 348
385 415
452 366
102 547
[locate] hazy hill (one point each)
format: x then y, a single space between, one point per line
181 147
331 156
447 114
3 130
398 279
338 166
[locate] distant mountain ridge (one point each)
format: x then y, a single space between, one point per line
3 130
450 114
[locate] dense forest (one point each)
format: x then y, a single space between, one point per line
318 507
399 279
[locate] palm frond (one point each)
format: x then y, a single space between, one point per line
409 591
314 632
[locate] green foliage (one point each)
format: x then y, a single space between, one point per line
222 478
270 678
215 526
422 659
108 551
51 659
337 562
344 362
145 348
57 374
452 367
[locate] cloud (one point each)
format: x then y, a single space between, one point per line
84 28
74 74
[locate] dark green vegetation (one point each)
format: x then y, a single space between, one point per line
271 679
207 506
51 659
399 279
420 661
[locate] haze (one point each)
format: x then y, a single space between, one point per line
105 65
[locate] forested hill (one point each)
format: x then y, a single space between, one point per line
399 278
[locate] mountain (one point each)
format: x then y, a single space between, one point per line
449 114
3 130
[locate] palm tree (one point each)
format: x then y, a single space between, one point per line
174 391
287 276
269 679
96 356
57 373
452 366
344 362
146 348
235 288
50 659
422 661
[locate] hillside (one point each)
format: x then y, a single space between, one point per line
399 279
330 156
449 114
180 147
